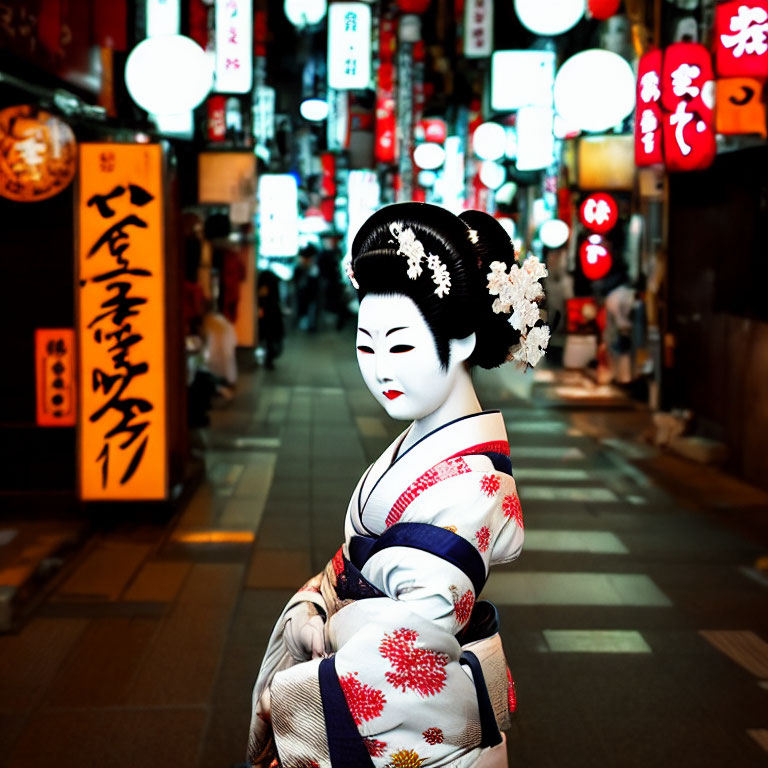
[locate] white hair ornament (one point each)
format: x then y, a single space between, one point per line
413 249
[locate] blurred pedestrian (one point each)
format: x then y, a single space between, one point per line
271 328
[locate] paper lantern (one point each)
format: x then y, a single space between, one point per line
649 117
741 39
428 156
314 110
595 90
168 75
305 13
687 95
492 174
603 9
489 141
550 18
554 233
599 212
38 154
595 257
434 129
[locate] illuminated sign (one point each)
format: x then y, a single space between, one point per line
550 18
688 95
234 46
595 258
163 17
278 221
599 213
738 106
478 28
522 79
649 117
55 377
349 46
535 140
741 39
38 154
122 439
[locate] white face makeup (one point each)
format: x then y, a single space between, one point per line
398 358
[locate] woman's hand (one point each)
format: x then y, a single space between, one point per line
303 633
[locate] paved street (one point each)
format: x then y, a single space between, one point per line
635 621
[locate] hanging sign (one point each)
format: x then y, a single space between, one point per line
688 96
599 212
163 17
234 46
649 118
122 445
741 39
38 154
478 29
349 45
738 107
55 377
217 120
595 258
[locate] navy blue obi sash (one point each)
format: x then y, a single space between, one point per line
429 538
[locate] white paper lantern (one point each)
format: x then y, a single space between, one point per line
168 74
554 233
549 18
492 174
305 13
595 90
427 178
314 109
489 141
429 156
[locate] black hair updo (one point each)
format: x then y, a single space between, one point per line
466 245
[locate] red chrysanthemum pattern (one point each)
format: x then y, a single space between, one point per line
511 696
438 473
490 484
406 758
483 537
433 736
419 669
512 508
364 702
462 606
375 748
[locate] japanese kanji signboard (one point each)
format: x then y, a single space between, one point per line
595 257
599 212
121 323
349 45
648 118
55 377
234 46
740 108
741 39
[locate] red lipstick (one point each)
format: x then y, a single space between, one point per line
391 394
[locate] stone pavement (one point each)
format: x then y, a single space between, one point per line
635 622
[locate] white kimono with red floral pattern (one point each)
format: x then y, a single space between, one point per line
396 654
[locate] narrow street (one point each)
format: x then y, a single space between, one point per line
635 622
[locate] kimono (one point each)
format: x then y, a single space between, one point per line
414 674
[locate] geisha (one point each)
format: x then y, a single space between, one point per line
386 658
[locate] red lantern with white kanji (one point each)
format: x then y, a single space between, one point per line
741 39
603 9
688 97
599 212
648 114
596 259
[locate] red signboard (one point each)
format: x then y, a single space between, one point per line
741 39
739 108
217 118
648 118
599 212
687 95
595 257
385 131
55 377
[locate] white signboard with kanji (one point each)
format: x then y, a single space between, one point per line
234 46
349 46
478 28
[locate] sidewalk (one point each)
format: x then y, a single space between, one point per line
635 622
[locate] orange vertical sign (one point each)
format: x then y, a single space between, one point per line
121 323
55 377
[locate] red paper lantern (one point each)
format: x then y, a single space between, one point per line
596 259
741 39
413 6
603 9
599 212
649 118
434 130
687 95
386 123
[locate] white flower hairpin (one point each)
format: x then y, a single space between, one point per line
519 292
413 250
